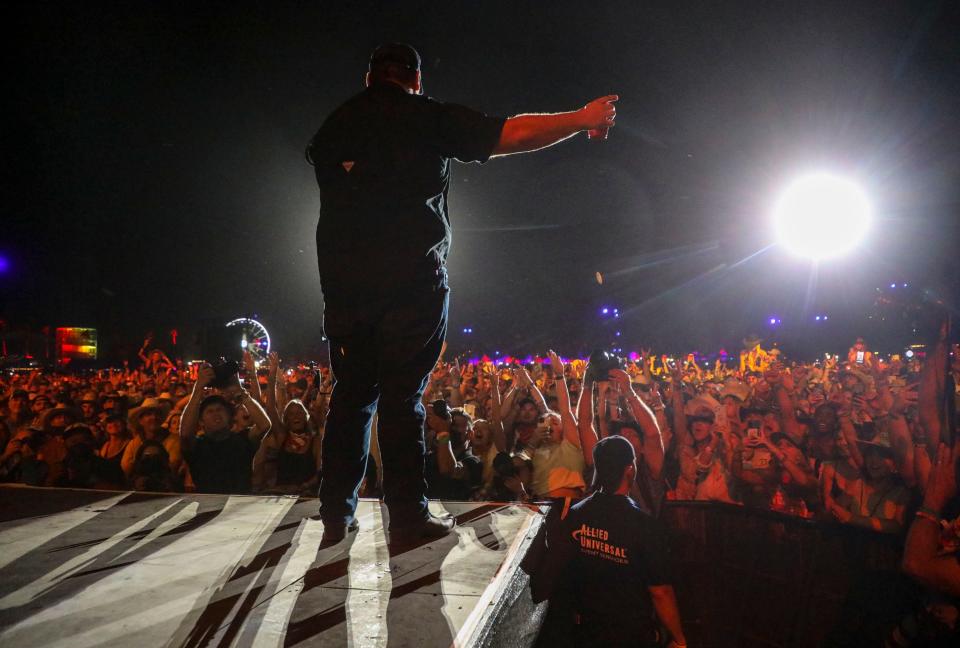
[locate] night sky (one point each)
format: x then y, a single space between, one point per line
155 175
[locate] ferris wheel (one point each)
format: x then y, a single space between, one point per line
250 335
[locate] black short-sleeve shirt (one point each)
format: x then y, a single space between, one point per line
614 552
382 162
222 465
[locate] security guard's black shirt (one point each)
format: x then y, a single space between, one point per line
610 552
382 162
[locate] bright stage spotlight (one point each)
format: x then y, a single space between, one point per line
821 216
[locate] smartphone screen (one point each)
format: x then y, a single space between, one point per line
859 357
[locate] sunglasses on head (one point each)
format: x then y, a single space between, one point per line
701 419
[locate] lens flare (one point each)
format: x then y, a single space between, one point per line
822 216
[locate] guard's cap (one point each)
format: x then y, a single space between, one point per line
611 455
398 53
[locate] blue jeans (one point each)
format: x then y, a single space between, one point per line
382 350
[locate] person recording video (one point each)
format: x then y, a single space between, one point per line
220 460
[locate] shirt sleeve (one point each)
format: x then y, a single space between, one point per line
466 134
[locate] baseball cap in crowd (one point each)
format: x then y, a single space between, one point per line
397 53
216 399
610 456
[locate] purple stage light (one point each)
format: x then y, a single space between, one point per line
4 264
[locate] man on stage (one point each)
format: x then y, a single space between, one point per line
382 162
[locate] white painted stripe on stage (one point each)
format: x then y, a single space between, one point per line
186 571
274 624
50 579
370 584
20 539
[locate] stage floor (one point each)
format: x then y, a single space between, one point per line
92 568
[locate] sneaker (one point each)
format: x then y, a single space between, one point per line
334 533
429 529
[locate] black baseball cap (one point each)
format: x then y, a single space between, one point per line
610 456
397 53
216 399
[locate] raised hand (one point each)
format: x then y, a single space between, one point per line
904 399
521 378
942 485
249 363
556 364
620 380
599 113
773 375
205 376
273 363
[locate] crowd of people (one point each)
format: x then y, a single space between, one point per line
843 438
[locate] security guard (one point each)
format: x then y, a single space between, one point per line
616 558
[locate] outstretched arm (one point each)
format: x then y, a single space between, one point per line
531 132
642 414
932 390
276 423
570 432
665 603
921 557
190 419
